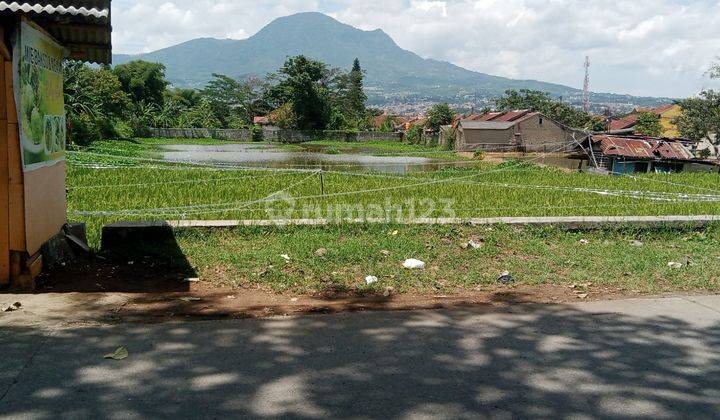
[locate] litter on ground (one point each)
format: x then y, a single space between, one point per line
371 280
12 308
506 278
414 264
119 354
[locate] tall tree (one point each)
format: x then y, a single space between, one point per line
225 97
143 81
542 102
304 83
439 115
94 102
701 116
356 96
648 124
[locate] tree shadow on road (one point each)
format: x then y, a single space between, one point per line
528 361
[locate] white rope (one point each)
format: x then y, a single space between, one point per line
338 194
483 209
150 184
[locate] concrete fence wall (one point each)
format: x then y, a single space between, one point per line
283 136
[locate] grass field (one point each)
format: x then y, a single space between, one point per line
131 185
624 261
150 190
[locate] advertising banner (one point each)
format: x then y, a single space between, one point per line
38 87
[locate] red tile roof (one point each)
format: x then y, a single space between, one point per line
630 120
261 120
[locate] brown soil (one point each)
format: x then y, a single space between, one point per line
147 293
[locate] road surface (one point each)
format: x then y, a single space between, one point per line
655 358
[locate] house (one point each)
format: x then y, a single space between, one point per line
667 114
622 154
265 120
35 37
523 130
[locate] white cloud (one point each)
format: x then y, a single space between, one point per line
646 47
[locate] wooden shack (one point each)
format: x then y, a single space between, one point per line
35 38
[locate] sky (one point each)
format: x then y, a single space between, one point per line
639 47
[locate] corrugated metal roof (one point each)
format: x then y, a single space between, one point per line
512 115
96 9
489 116
644 148
486 125
81 26
673 150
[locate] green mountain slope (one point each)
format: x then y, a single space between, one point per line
392 73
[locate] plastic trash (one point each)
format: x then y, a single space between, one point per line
371 279
474 245
505 278
12 308
413 264
285 257
119 354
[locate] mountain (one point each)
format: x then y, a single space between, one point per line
392 73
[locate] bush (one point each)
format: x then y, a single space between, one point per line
123 130
83 130
414 134
256 133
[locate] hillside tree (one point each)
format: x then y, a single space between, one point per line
143 81
439 115
304 83
356 96
700 118
648 124
542 102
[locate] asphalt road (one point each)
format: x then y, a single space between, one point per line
639 359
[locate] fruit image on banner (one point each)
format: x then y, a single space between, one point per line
38 86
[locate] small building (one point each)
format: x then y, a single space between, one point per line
35 38
262 120
521 130
667 114
638 154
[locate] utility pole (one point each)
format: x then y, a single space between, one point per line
586 86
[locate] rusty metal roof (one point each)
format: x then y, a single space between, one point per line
486 125
512 115
643 148
81 26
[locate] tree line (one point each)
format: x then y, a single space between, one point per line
125 100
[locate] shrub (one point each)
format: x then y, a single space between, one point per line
256 133
414 134
123 130
83 130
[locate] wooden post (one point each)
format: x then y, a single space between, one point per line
4 183
322 183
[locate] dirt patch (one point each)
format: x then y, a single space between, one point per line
143 292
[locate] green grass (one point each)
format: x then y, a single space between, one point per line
386 148
150 190
251 257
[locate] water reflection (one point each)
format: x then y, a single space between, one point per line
310 157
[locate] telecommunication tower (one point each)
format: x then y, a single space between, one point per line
586 86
